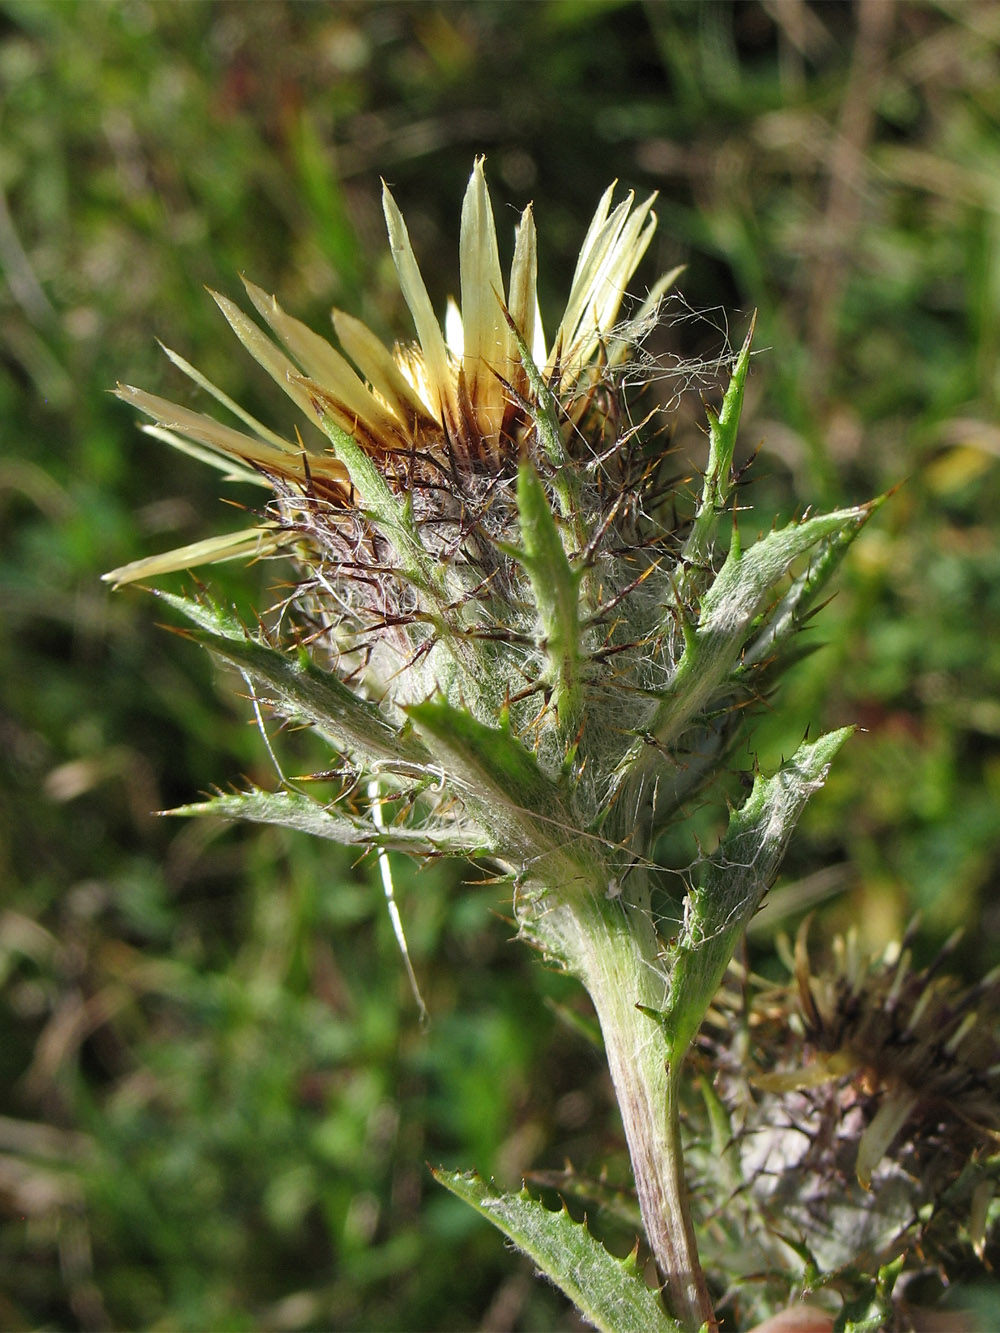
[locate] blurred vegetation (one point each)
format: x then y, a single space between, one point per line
217 1101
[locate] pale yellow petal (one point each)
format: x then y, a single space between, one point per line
488 346
413 368
324 364
231 468
324 404
623 260
203 382
379 368
411 284
523 299
601 311
593 231
205 429
593 258
263 350
454 330
593 312
256 542
285 461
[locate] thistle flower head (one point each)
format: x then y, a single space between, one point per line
871 1125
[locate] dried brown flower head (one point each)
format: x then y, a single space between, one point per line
865 1102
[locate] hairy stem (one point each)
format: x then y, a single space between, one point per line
612 948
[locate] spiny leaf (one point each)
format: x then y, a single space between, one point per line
722 431
500 781
729 609
790 613
556 588
291 809
733 882
206 614
600 1198
745 579
300 690
610 1293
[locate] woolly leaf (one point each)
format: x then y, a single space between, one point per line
733 882
501 782
729 609
299 690
790 613
288 809
721 444
294 810
556 588
610 1293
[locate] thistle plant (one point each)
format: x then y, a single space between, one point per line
523 646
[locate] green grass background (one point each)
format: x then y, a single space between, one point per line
216 1102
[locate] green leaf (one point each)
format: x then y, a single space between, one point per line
205 614
288 809
732 885
729 609
722 431
610 1293
301 691
294 810
504 787
556 588
801 598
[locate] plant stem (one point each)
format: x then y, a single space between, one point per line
612 947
